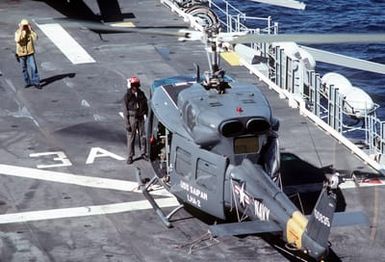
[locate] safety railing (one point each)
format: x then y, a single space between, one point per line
233 20
329 105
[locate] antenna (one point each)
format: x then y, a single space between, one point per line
198 73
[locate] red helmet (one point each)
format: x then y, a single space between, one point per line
133 81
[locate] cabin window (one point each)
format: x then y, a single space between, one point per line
206 174
183 164
159 144
190 116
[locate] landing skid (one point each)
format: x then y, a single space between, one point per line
145 186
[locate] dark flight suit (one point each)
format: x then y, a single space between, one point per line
135 107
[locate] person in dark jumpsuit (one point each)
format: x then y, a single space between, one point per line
135 110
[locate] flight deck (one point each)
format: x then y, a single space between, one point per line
66 192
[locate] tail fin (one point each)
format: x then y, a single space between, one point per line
320 222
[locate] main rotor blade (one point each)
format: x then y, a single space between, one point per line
311 38
119 27
346 61
285 3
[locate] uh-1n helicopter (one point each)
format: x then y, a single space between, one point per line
213 144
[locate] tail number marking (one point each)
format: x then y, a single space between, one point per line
321 218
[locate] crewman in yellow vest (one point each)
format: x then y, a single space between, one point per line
25 39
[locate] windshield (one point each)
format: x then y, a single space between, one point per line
246 145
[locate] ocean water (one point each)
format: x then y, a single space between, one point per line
337 16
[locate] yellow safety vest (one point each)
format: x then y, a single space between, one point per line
25 42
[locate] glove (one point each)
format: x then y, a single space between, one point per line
129 129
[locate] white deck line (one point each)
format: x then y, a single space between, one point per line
84 211
66 44
80 180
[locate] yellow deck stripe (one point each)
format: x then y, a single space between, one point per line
123 24
231 57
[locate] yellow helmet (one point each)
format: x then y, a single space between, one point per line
24 22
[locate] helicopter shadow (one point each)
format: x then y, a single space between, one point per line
110 11
49 80
291 254
302 183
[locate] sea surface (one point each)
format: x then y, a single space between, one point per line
337 16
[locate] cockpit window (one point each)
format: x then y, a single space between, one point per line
246 145
190 116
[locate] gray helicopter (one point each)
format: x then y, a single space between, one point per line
217 150
213 143
214 146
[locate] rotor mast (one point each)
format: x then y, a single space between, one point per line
215 78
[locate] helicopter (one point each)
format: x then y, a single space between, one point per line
213 144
